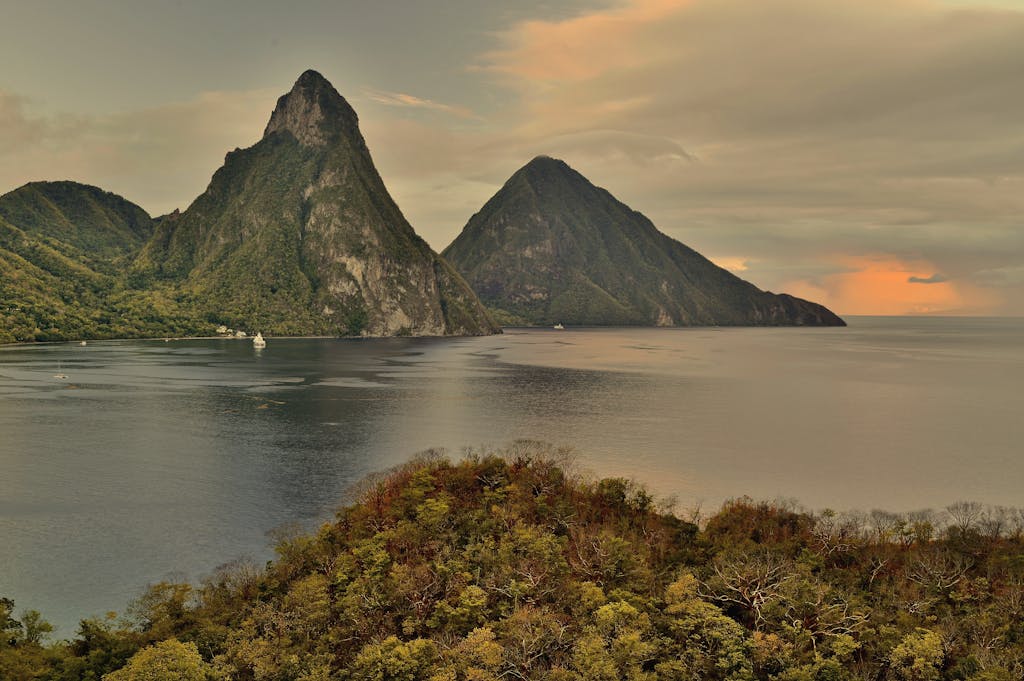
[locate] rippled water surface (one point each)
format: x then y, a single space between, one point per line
156 459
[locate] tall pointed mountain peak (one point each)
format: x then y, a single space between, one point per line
313 111
546 167
298 234
543 161
311 78
553 178
551 247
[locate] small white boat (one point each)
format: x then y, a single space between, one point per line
258 342
83 344
559 327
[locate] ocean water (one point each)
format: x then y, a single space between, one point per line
156 460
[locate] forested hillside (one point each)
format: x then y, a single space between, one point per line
64 252
510 567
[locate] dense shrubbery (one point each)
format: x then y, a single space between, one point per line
509 567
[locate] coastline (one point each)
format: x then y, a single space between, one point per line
170 339
929 318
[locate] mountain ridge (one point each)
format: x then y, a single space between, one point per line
82 215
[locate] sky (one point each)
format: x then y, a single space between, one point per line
865 154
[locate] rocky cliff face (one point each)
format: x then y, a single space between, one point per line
313 113
551 247
298 234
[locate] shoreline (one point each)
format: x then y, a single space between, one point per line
168 339
503 329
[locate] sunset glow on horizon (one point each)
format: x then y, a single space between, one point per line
885 286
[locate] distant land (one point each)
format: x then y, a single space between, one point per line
297 235
550 247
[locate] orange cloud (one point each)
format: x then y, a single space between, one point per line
882 285
732 263
582 47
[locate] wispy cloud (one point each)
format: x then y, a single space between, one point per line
936 278
733 264
401 99
999 277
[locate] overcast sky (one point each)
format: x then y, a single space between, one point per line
866 154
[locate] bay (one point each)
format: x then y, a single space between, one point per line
156 460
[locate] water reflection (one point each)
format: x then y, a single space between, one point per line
160 457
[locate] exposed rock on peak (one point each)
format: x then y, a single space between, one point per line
543 160
545 169
313 111
313 78
549 163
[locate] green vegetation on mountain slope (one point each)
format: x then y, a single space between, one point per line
83 217
63 264
510 568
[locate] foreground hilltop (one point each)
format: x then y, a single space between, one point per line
551 247
514 568
298 235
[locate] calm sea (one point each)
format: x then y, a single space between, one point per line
154 460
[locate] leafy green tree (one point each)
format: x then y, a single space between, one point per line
168 660
918 657
395 660
620 643
706 644
478 657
